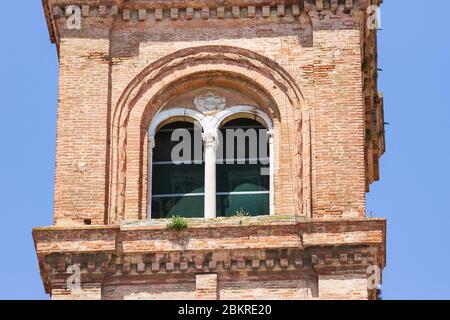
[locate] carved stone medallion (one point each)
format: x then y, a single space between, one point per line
210 101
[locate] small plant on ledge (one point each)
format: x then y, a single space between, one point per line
242 213
177 223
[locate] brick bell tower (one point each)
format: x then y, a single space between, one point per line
133 72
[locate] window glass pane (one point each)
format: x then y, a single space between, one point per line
241 184
177 189
164 144
254 204
241 177
176 179
189 207
232 136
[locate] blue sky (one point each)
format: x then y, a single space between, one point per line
413 194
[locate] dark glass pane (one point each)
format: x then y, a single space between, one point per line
176 179
171 182
254 204
189 207
241 177
253 132
164 144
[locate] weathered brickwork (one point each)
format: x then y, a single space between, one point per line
231 258
91 292
309 65
352 287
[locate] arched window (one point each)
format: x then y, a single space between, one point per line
177 180
221 166
243 180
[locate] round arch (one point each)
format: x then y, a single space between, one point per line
147 93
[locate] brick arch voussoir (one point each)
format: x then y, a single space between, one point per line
189 56
208 79
134 104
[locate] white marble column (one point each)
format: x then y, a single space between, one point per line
210 141
151 146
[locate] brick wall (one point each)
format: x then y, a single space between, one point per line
83 111
176 291
207 287
338 137
349 286
273 290
89 293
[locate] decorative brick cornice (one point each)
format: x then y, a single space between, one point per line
97 268
231 245
159 11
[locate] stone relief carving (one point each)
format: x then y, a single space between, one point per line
210 101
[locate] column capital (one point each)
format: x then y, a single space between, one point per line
210 140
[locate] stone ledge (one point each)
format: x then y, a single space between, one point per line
241 221
160 224
265 244
225 234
